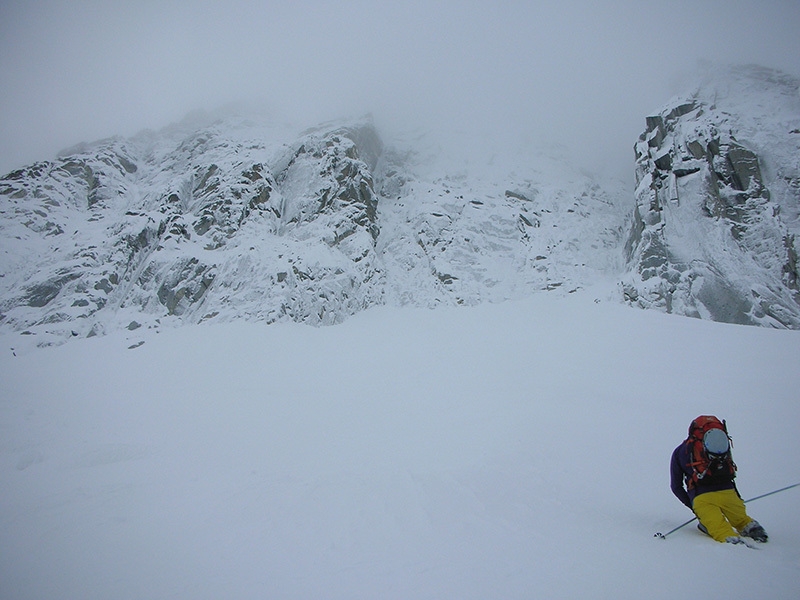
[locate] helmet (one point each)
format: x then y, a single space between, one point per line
716 442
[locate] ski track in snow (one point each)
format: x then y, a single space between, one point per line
513 450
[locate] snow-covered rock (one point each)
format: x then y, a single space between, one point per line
717 196
231 217
238 219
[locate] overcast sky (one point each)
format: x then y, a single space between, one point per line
583 73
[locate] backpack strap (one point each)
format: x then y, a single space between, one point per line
698 463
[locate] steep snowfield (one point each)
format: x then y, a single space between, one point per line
493 220
515 450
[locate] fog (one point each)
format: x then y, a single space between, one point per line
582 74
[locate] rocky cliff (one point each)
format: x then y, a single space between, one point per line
715 222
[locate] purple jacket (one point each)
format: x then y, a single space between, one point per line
681 472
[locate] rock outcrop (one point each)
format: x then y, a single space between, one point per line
715 226
182 227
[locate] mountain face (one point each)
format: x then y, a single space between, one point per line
715 222
235 218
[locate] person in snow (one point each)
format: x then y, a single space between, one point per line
702 476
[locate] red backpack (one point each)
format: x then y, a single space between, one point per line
710 450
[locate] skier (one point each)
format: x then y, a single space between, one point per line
702 477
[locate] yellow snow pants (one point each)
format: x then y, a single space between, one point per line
722 513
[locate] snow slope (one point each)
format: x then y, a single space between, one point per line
514 450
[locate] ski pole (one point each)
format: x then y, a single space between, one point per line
788 487
663 536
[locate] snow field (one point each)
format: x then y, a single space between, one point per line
515 450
